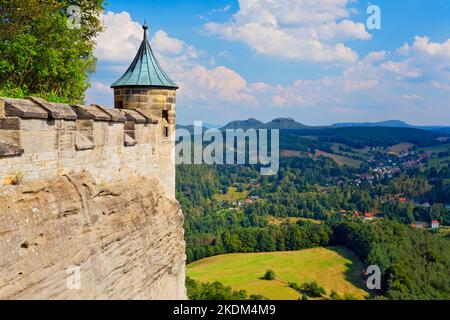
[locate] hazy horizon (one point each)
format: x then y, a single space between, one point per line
319 62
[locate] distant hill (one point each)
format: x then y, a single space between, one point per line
359 137
244 124
388 123
445 130
190 128
391 124
284 123
279 123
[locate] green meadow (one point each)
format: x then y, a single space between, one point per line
334 268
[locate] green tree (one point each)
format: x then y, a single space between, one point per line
269 275
312 289
40 55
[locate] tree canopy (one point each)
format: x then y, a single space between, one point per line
42 54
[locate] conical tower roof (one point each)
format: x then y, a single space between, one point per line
145 71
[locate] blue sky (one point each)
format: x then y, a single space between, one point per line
315 61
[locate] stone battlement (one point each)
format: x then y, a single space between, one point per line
40 139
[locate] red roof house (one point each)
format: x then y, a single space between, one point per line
435 224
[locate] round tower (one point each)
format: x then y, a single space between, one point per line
146 88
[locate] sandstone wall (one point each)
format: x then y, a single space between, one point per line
41 140
126 239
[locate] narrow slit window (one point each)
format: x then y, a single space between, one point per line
165 115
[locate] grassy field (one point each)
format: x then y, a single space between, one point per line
277 221
400 148
231 195
293 154
438 162
340 160
333 268
359 153
440 148
444 231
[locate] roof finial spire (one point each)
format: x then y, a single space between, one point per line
145 26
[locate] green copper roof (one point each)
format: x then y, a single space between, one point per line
145 70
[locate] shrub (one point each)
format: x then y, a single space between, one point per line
269 275
312 289
14 179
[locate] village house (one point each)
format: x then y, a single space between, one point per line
420 225
369 217
435 224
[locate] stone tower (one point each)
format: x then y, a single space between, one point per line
146 88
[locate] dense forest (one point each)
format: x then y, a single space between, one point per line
321 197
415 263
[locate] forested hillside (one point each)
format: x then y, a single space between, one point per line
376 210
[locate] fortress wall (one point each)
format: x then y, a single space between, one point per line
42 140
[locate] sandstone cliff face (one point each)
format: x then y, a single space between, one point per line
124 240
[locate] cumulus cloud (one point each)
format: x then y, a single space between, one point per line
166 44
218 84
120 42
380 78
101 87
402 69
294 29
120 39
433 49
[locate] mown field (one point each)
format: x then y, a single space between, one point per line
278 221
438 163
333 268
339 159
400 148
231 195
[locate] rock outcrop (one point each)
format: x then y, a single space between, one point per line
68 238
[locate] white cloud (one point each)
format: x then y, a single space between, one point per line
120 39
440 85
166 44
101 87
294 29
215 85
402 69
259 86
433 49
411 96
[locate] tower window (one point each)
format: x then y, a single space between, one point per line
119 104
165 115
166 132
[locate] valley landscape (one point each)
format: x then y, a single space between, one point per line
346 197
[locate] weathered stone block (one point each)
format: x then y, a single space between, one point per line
82 142
129 141
9 147
56 111
10 123
148 115
23 109
134 116
170 100
115 114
